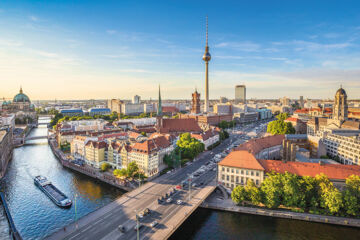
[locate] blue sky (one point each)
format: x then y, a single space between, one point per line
107 49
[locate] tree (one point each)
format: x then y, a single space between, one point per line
330 197
309 189
188 146
272 190
279 127
238 194
104 167
253 193
292 196
351 195
143 133
132 169
282 116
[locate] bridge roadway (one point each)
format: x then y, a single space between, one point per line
102 224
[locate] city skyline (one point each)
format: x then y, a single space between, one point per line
89 50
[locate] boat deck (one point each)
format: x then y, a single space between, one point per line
54 192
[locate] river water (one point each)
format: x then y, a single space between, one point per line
36 216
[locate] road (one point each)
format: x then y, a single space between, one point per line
103 223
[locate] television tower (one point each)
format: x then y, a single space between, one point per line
206 58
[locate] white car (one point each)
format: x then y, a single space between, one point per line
179 202
169 200
154 223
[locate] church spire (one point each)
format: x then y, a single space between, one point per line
21 91
159 110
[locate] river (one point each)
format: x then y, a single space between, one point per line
35 216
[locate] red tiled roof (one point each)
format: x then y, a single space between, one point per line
170 109
333 171
179 125
241 159
96 144
151 145
256 145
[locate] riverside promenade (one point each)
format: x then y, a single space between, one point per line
87 170
216 203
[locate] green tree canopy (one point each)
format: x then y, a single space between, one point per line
189 146
238 194
351 195
272 190
279 127
253 193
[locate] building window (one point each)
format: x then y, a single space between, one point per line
227 177
257 182
242 171
242 180
247 172
257 173
237 171
222 177
232 170
252 173
237 179
223 169
227 169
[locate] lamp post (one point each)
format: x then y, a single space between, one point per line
76 224
190 178
137 225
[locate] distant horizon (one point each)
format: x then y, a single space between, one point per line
93 50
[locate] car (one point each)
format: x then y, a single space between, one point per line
178 187
179 202
121 228
154 223
146 212
138 226
140 215
169 200
194 185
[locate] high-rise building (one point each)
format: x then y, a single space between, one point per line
240 94
285 101
302 105
195 107
159 107
115 105
136 99
206 58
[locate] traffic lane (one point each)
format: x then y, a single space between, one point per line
166 188
121 215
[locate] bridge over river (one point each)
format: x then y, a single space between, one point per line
103 223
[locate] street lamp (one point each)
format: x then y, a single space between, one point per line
76 224
190 178
137 225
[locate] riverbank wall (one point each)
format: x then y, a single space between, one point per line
350 222
87 170
6 150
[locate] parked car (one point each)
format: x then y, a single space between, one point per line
179 202
121 228
154 223
169 200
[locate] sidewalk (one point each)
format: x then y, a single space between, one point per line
214 202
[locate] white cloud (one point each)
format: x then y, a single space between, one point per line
111 32
10 43
34 18
240 46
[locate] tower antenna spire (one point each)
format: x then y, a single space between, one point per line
206 30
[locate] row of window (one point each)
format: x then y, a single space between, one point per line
246 172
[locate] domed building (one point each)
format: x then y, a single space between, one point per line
21 106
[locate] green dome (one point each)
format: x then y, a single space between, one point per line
21 97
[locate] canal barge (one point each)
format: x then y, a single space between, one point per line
58 197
